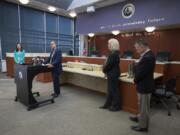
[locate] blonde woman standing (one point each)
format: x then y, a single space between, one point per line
112 71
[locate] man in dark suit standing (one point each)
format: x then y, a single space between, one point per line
54 62
144 81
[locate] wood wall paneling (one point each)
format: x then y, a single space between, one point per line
164 40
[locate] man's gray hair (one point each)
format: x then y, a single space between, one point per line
53 41
142 42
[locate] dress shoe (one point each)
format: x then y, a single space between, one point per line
134 119
104 107
139 129
55 95
114 109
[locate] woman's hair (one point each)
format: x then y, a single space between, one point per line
114 43
17 47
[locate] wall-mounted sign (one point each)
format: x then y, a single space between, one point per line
140 14
128 11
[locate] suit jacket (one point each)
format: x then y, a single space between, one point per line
111 67
56 60
144 72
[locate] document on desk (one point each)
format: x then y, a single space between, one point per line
123 74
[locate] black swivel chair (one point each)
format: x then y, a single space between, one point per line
70 53
167 92
127 54
163 56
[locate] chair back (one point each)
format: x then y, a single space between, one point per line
170 85
163 56
127 54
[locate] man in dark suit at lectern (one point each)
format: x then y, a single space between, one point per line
144 80
54 62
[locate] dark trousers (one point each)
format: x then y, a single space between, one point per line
56 82
113 94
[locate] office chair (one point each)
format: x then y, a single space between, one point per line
163 56
166 92
127 54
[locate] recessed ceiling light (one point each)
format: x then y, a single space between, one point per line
115 32
91 34
24 1
150 29
51 8
73 14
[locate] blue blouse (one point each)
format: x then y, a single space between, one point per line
19 57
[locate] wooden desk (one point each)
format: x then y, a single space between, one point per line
96 81
169 69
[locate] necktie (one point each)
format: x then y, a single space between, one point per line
52 56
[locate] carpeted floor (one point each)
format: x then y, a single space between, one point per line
74 113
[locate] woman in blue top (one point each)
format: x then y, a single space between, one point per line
19 54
